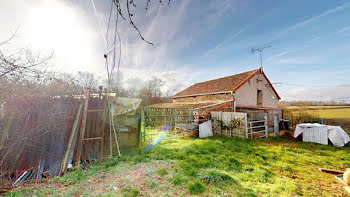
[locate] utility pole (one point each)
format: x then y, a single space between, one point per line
260 51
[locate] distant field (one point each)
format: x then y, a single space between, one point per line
323 112
332 115
314 107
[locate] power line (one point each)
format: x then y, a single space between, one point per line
314 86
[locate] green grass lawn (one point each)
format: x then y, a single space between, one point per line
215 166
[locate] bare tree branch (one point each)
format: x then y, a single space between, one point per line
21 63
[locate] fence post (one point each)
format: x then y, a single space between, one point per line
276 125
221 121
266 128
246 125
144 124
251 129
292 121
231 125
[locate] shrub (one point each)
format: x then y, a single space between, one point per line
196 187
214 176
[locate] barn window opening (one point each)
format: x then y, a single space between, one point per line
259 98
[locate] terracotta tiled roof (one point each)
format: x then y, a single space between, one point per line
229 83
180 105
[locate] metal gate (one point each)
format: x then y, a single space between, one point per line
168 123
257 127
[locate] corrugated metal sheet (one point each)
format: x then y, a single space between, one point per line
316 134
321 133
205 129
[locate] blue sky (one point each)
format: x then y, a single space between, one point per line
199 40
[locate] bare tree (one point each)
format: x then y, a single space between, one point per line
22 63
151 91
124 11
86 80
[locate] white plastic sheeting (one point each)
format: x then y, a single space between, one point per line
121 105
321 133
205 129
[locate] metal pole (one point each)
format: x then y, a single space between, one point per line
261 59
110 133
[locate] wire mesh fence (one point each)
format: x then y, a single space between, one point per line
168 123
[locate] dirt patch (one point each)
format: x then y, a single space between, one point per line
137 177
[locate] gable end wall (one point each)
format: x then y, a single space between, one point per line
247 94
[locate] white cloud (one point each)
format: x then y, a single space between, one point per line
55 26
294 61
171 31
269 59
310 20
340 93
344 29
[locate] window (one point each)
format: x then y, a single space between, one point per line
259 98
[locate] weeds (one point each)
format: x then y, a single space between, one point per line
152 184
178 179
72 177
196 187
162 171
131 191
214 176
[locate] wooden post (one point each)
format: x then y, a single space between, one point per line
140 130
276 125
144 124
110 132
69 146
231 125
266 128
292 121
103 126
82 129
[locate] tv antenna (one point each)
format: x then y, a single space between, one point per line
260 51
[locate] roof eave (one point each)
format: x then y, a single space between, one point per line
223 92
